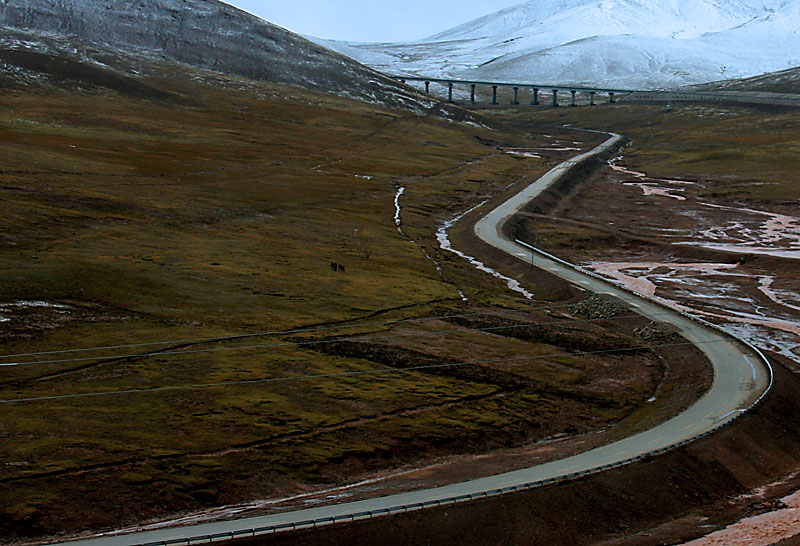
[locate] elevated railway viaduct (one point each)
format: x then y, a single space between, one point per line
612 95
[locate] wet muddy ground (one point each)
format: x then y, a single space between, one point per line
733 263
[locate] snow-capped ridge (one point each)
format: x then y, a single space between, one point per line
660 44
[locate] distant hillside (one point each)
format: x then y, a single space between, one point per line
202 33
634 44
785 81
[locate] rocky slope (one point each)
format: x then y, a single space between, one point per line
200 33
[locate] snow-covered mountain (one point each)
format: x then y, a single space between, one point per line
208 34
620 43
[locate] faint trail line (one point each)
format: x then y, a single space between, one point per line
381 371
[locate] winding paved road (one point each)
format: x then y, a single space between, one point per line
740 378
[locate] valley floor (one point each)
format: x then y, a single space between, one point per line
708 184
171 320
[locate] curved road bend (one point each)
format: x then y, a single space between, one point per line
740 377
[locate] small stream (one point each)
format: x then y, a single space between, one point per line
444 243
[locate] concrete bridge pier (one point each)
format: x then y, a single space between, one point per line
555 98
472 94
494 95
450 92
572 101
427 88
516 96
591 98
611 99
535 100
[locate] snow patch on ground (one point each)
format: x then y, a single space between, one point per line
747 249
780 297
32 304
753 232
444 243
398 222
652 189
397 219
559 149
776 228
523 153
642 276
615 166
648 185
756 232
762 530
700 289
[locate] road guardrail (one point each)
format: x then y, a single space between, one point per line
449 501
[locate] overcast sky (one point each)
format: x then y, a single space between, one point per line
370 20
